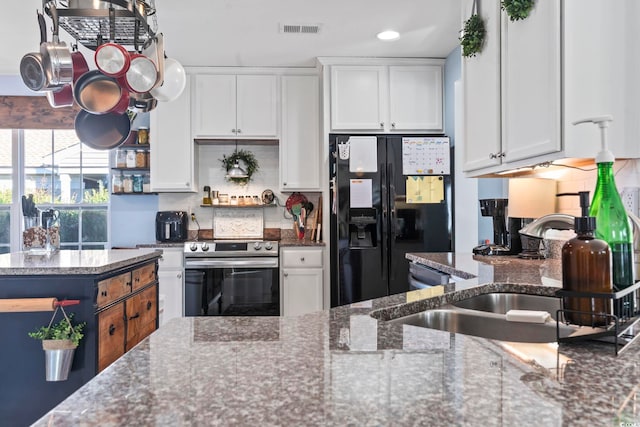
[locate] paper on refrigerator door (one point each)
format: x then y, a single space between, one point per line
363 156
361 195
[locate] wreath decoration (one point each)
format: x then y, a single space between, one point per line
517 9
240 156
473 33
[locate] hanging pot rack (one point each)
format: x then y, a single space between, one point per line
90 22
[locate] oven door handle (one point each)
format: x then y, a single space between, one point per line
266 262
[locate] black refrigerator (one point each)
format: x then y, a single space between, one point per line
389 195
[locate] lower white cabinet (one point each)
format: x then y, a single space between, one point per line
301 280
171 283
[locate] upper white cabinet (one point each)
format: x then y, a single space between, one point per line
550 69
300 140
415 97
358 97
238 106
481 95
173 154
386 98
531 97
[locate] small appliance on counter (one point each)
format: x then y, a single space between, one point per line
495 208
171 226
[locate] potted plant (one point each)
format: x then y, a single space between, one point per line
473 33
235 173
59 342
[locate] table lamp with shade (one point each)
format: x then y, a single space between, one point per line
529 198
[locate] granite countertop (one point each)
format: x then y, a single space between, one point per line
72 262
345 367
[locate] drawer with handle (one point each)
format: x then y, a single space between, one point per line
301 258
113 288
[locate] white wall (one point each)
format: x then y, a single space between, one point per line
212 174
627 174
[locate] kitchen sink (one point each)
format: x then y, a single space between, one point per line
484 316
501 302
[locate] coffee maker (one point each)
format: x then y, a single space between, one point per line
495 208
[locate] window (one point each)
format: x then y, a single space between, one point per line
6 190
65 176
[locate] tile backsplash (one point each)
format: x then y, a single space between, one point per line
211 173
627 174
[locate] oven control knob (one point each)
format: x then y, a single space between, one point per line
257 246
193 247
204 247
268 246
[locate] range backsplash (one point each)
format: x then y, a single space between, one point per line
211 173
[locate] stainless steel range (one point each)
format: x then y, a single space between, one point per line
231 278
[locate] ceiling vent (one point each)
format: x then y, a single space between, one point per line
300 28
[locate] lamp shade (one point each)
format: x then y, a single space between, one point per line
531 197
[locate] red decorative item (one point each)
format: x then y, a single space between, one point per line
297 205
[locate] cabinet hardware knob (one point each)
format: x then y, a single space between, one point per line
135 316
393 125
233 131
492 155
186 184
302 258
381 125
149 305
179 275
503 154
103 293
239 130
284 184
112 329
285 274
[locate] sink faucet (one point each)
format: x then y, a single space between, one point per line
537 228
531 235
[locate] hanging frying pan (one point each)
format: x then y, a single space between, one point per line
102 131
112 59
32 68
142 74
63 97
97 93
174 81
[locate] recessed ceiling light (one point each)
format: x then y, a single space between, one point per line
388 35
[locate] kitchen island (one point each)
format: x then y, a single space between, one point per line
117 293
345 367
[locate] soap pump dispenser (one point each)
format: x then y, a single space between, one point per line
613 222
586 267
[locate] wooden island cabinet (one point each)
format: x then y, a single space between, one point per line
118 294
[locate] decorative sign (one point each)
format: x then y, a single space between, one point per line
426 156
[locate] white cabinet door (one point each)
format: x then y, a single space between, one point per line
415 98
300 140
171 290
531 92
227 105
301 291
358 97
170 283
214 107
257 106
172 149
481 142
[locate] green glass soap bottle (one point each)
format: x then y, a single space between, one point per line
612 219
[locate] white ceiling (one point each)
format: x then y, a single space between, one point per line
247 32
